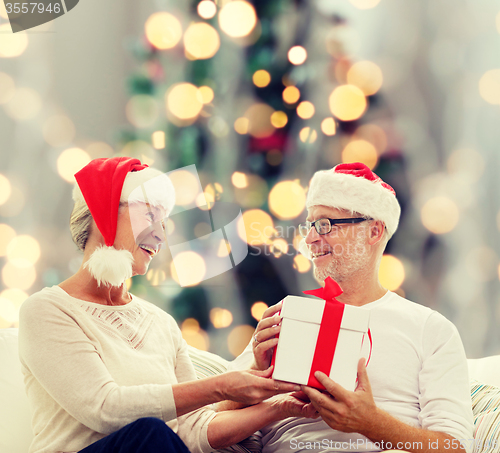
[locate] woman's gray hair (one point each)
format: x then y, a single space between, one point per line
80 224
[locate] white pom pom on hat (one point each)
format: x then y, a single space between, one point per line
102 185
354 187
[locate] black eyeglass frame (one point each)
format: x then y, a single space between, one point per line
309 225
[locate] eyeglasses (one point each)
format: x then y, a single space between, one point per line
324 226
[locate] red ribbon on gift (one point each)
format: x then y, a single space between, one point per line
328 331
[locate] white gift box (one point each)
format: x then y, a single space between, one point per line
298 338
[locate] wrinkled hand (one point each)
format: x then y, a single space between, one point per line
253 386
294 405
343 410
264 337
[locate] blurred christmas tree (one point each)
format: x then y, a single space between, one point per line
258 96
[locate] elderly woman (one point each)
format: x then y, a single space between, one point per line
106 371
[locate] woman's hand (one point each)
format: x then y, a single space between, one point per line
264 337
295 404
253 386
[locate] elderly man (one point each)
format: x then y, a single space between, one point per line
414 394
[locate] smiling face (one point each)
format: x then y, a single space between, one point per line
140 231
344 252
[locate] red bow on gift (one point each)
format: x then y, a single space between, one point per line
329 329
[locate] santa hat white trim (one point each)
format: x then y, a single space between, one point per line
357 194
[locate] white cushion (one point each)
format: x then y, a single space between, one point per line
486 370
15 414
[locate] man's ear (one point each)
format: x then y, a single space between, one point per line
376 232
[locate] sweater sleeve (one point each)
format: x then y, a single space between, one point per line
65 363
445 404
192 428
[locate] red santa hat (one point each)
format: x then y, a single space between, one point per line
102 185
354 187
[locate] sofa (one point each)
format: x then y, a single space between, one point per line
15 416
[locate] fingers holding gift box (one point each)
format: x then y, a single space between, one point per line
265 337
320 335
341 409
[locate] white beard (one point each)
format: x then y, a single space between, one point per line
346 263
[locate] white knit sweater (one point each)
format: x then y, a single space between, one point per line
91 369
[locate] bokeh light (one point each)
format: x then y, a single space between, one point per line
301 263
308 135
261 78
489 86
194 335
279 247
23 251
7 233
498 22
366 75
201 41
140 150
291 94
18 277
254 194
156 276
206 94
360 151
3 11
328 126
279 119
255 227
258 309
206 9
241 125
238 339
24 105
224 248
14 204
58 130
183 101
365 4
158 139
239 180
347 102
5 189
70 161
142 110
305 110
481 263
373 134
12 44
467 163
237 18
287 200
186 187
7 88
297 55
191 267
99 149
391 272
440 215
163 30
221 317
259 120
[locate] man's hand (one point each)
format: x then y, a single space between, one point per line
264 337
343 410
